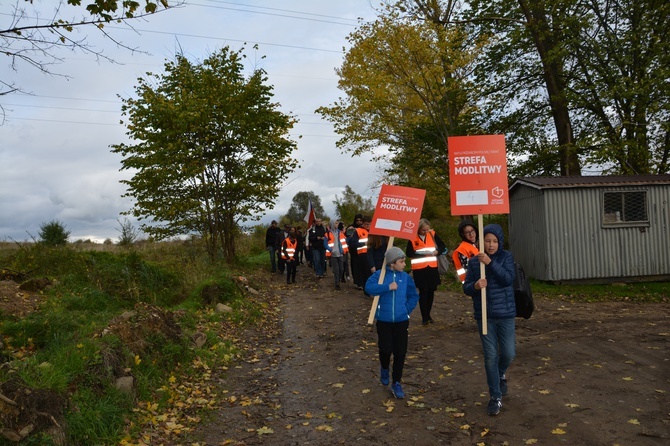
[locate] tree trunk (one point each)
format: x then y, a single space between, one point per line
553 77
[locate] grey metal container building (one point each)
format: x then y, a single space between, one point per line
591 229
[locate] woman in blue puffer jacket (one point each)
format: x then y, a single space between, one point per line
499 343
397 299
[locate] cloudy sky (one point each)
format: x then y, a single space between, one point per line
55 159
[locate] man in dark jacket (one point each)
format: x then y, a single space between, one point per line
271 246
317 234
499 342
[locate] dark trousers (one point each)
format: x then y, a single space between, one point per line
353 264
345 267
392 339
363 270
281 263
291 269
426 298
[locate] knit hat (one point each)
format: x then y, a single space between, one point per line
393 254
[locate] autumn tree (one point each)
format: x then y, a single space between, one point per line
622 65
211 149
298 210
350 204
595 70
407 87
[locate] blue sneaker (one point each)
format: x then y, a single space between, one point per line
396 389
384 376
494 406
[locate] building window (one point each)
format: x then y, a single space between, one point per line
624 208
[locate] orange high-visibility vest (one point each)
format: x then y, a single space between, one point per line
331 243
362 247
463 253
288 248
343 242
425 251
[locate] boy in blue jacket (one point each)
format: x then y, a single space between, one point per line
397 298
499 343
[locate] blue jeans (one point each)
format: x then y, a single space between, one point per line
273 260
499 351
319 259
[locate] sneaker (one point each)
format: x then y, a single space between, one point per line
384 376
494 406
503 386
396 389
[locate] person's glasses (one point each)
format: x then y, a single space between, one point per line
469 232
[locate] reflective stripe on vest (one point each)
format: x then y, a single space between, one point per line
343 242
425 251
288 250
362 247
331 243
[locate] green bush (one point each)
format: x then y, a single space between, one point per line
53 233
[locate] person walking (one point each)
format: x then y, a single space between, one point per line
467 249
301 245
289 251
397 299
423 251
359 242
317 234
335 252
283 235
376 249
499 342
271 243
345 258
353 252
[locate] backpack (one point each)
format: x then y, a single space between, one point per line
523 295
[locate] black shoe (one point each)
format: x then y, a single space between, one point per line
431 321
503 386
494 407
337 287
425 323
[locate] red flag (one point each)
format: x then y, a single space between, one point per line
310 216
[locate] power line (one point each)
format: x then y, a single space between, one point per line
281 15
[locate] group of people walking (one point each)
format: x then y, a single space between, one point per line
399 293
353 248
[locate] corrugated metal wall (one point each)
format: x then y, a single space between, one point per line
527 232
565 226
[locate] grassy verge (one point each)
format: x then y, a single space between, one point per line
128 315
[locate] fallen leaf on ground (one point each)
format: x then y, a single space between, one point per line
264 430
633 421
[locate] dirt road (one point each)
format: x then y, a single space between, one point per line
585 374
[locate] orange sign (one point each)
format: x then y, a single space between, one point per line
478 175
398 211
